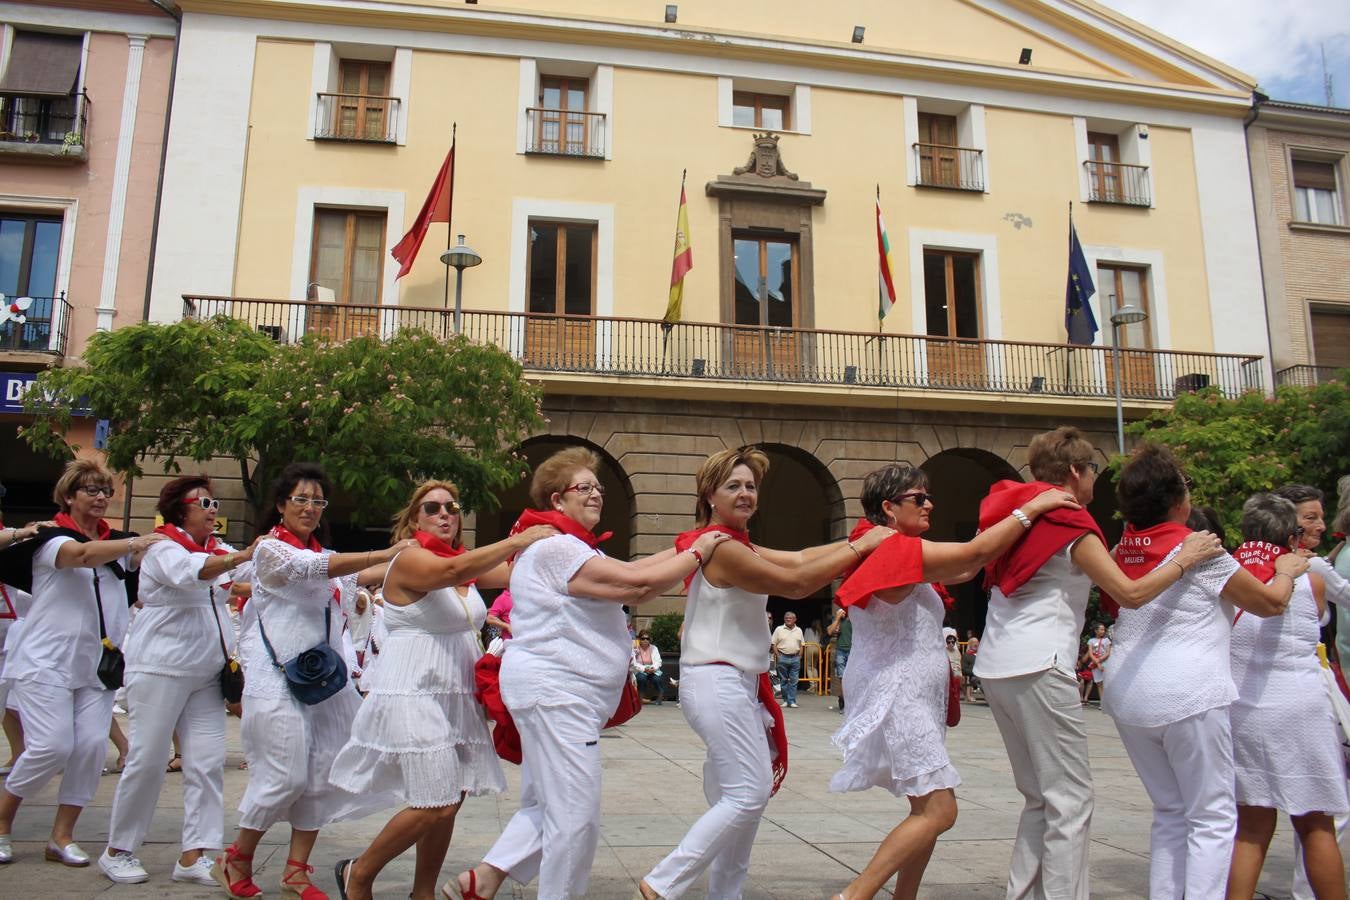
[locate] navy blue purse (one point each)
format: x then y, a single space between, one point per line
317 673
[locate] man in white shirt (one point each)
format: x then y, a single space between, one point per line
787 644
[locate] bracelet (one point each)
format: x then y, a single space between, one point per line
1021 517
850 546
1287 575
697 556
1179 566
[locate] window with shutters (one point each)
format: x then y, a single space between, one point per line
1317 198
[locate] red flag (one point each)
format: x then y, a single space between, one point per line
436 208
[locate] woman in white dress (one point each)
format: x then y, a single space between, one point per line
176 648
899 676
1170 687
420 734
562 677
297 587
1286 751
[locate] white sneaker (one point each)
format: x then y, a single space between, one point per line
792 706
122 868
197 873
118 710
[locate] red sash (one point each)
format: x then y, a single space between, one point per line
1140 551
685 539
777 734
1049 534
9 612
64 520
184 540
898 561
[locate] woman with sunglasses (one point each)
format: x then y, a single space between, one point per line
176 647
563 675
1170 685
298 586
1286 748
76 577
420 733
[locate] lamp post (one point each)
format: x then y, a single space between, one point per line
1129 314
461 257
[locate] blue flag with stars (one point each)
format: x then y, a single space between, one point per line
1078 318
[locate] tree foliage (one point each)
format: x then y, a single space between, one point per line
1233 448
379 414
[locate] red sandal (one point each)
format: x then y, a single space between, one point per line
452 891
300 890
244 888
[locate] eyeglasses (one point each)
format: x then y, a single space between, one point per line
316 502
919 498
586 488
203 502
1095 467
96 490
1300 531
434 507
1186 480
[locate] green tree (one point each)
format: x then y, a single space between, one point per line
1232 448
379 414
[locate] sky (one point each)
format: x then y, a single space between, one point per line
1278 43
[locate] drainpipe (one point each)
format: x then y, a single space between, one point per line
163 160
1257 99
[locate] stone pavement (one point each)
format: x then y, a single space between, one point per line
809 845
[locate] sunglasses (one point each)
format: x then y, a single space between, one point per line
585 489
316 502
919 498
204 502
96 490
434 507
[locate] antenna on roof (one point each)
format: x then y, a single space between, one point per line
1327 87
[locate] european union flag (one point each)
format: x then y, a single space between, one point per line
1078 318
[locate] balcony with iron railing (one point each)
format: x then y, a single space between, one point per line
565 132
1115 182
43 330
1307 376
357 118
954 168
713 352
45 129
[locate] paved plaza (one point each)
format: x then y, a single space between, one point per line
809 845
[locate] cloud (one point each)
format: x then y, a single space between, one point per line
1278 43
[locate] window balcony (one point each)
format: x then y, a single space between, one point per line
44 330
45 129
357 118
954 168
565 132
1306 376
1122 183
737 354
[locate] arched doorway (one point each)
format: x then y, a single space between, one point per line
959 479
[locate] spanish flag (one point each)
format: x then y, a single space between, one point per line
684 261
886 286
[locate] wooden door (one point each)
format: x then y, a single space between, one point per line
766 271
362 109
954 311
1128 285
348 259
561 265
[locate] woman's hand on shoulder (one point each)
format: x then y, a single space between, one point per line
1198 546
708 541
873 538
1047 500
1292 564
532 534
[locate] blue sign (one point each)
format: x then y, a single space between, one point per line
15 385
101 434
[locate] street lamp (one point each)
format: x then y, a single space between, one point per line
461 257
1129 314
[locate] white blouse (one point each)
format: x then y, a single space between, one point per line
60 643
1037 628
291 588
178 631
725 625
1170 658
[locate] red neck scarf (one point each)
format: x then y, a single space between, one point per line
685 539
1258 557
286 536
898 561
429 541
564 523
64 520
1049 534
1140 551
184 540
9 612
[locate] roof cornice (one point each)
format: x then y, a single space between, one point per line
1296 117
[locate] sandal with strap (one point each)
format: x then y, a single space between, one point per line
244 888
299 890
452 891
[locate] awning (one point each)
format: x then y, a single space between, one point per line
42 64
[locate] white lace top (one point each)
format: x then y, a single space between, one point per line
291 587
175 632
1170 657
725 625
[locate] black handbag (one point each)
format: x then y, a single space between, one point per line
111 664
231 675
317 673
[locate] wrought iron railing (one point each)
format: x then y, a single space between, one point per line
45 120
44 329
1307 376
1115 182
565 132
707 350
357 117
943 166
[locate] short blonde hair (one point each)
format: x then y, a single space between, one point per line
78 473
554 475
405 520
1052 453
717 469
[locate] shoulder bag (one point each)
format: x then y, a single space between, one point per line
231 675
111 664
317 673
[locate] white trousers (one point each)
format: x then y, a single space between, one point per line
554 834
158 706
1187 769
722 705
1302 889
1040 718
64 731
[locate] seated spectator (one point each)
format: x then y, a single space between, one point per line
499 617
646 666
968 668
953 655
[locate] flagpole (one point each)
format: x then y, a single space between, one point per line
1068 357
667 327
449 225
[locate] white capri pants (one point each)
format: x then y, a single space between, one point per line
722 705
1187 769
159 705
554 834
65 730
